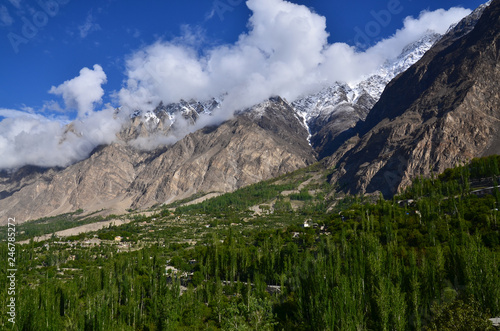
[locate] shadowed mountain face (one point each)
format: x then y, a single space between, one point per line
337 108
442 111
258 144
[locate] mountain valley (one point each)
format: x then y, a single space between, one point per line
264 141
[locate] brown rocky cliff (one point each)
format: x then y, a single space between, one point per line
104 176
254 146
442 111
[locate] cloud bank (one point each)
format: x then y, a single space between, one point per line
27 138
285 52
35 140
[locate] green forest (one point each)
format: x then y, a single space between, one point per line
428 259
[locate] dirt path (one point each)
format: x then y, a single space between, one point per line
79 229
203 198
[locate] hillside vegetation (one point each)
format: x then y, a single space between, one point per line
285 254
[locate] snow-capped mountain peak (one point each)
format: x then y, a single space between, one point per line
340 106
365 93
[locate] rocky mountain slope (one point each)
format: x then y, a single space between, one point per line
339 107
325 113
257 144
161 120
442 111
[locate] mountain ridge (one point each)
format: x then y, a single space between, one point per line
349 126
339 107
241 151
442 111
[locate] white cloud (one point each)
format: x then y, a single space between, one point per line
52 106
27 138
89 26
84 91
345 63
12 113
285 52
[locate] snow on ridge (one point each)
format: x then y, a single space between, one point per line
329 98
149 116
169 113
312 106
375 84
317 105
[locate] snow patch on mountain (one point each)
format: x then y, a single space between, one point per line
332 98
341 101
170 113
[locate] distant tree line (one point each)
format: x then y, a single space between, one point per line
430 263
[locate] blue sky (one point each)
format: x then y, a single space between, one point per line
79 34
75 61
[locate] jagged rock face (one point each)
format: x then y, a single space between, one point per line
31 193
442 111
161 120
331 111
338 108
257 144
344 117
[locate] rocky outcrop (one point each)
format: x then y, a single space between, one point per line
337 108
330 112
94 183
257 144
442 111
